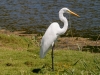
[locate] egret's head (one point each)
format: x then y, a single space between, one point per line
66 10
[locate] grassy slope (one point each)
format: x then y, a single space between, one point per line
20 56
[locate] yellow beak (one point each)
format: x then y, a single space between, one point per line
73 13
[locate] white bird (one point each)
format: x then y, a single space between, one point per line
53 32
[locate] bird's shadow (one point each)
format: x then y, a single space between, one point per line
36 70
39 70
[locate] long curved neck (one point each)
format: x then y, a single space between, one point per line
65 21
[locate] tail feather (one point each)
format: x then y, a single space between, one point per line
41 54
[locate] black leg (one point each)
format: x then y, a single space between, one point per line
52 58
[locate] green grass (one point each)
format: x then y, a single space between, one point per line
23 59
15 42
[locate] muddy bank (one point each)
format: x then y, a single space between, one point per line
79 43
70 43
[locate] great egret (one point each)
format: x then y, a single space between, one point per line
53 32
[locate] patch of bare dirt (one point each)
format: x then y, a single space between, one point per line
76 42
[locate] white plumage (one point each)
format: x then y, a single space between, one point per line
53 32
49 38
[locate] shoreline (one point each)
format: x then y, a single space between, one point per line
71 43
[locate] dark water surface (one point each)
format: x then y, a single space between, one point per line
37 15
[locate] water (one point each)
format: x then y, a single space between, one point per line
39 14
